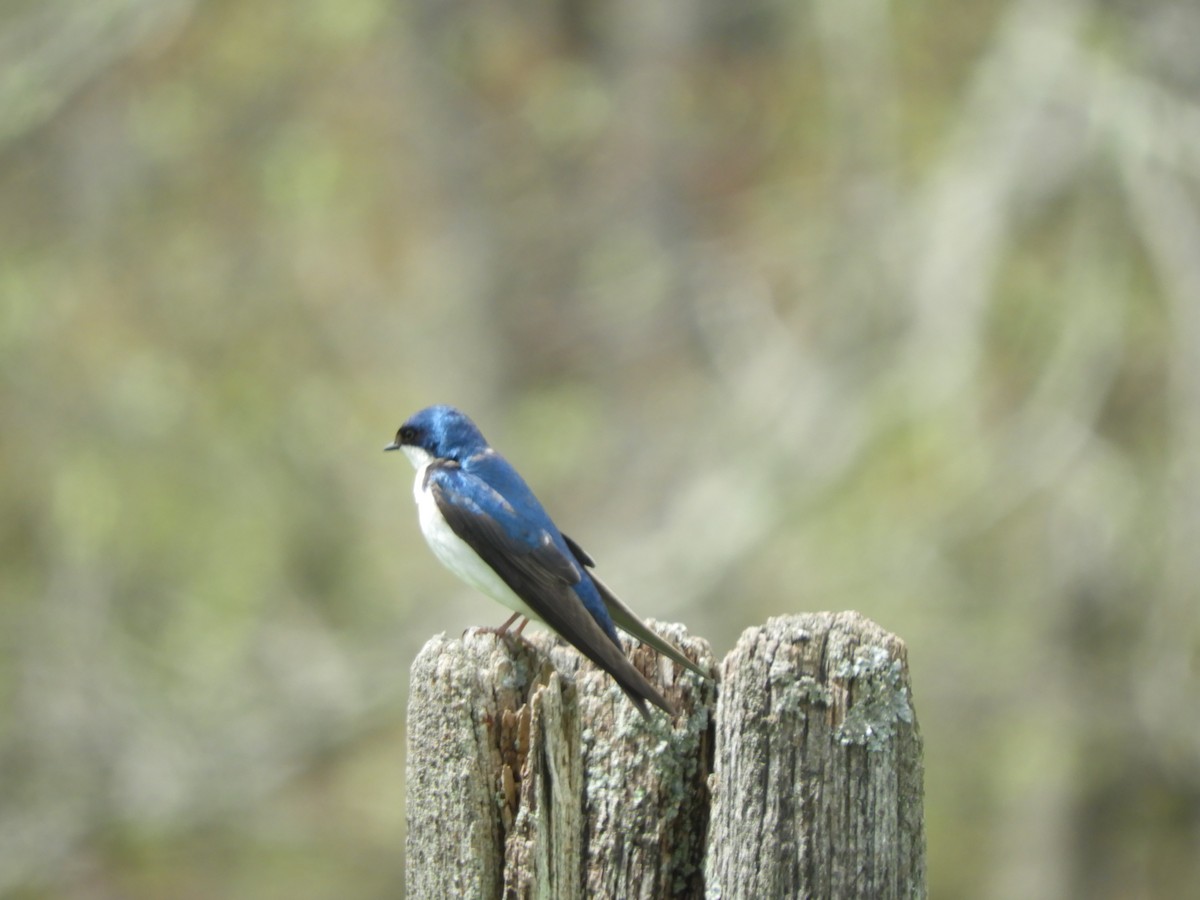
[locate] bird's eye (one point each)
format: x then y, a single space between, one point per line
407 434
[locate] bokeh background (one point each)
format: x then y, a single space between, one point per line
780 306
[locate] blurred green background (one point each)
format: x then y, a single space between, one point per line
779 306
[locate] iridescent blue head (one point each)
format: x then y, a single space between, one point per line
438 432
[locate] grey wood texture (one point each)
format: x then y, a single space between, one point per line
530 775
817 788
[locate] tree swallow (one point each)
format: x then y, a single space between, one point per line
485 525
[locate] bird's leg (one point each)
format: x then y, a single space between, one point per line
502 631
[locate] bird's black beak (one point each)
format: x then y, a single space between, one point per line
394 445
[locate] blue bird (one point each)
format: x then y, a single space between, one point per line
485 525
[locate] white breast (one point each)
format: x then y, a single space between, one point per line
452 551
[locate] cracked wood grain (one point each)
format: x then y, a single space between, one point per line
817 788
530 775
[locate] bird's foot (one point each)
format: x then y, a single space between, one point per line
503 631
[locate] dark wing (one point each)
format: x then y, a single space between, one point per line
627 619
523 552
580 553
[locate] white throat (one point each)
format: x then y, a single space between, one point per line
418 456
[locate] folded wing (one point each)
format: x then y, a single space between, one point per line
529 560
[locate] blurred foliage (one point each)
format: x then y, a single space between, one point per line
780 307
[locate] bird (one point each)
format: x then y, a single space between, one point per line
484 523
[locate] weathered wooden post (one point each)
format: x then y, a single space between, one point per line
818 779
531 775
